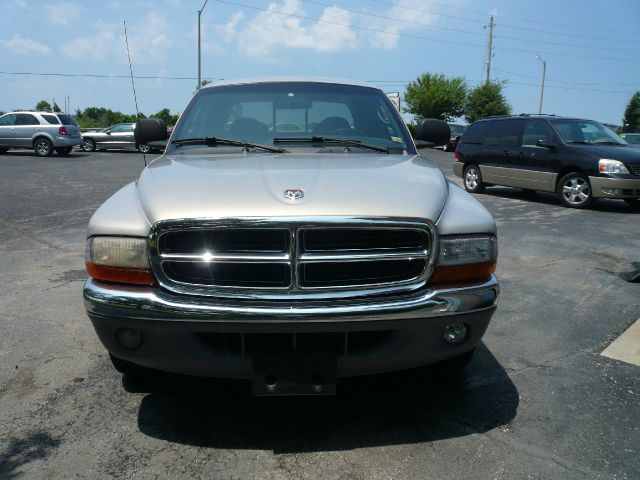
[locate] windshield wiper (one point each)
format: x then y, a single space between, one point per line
581 143
608 142
342 141
215 141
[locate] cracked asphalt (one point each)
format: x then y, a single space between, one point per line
538 401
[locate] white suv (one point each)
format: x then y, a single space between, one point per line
42 131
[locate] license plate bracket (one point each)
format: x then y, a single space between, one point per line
295 374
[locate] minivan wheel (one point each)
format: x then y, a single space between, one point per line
574 190
633 202
473 179
88 145
43 147
144 148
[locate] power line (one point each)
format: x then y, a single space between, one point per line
523 20
571 82
468 32
419 37
96 75
506 25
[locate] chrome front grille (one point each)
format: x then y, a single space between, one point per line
285 257
634 167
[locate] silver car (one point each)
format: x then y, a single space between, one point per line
42 131
118 136
291 258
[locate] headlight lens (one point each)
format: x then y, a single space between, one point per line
123 252
467 250
465 259
119 259
612 166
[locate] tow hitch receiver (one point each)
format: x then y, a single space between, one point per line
294 374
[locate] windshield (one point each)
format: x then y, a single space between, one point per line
260 112
585 131
632 139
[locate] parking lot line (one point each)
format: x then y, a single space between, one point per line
626 347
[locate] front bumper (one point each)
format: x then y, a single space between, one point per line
188 335
609 187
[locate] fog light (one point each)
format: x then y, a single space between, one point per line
611 191
128 337
455 333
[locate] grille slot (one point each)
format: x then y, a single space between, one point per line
327 274
634 167
230 274
343 343
358 239
291 257
223 240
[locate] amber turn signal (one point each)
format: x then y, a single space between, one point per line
120 275
462 273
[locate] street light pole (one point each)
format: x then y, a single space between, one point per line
544 74
199 56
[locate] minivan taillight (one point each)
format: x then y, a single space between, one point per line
63 131
457 154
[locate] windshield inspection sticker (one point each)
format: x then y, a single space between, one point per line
396 139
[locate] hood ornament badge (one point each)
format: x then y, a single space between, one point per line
293 193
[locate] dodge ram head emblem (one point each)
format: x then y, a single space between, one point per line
293 193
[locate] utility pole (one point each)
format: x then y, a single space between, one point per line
544 74
199 61
490 49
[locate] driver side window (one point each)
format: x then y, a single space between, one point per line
8 120
535 130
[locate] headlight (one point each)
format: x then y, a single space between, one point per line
611 166
119 259
465 258
467 250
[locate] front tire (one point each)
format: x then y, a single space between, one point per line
43 147
633 202
88 145
574 190
144 148
473 179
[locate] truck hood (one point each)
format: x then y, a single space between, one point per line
253 185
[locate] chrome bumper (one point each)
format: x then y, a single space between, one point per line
144 303
626 187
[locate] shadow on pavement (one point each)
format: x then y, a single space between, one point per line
409 407
20 451
547 198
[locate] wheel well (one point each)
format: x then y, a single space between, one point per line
38 137
566 170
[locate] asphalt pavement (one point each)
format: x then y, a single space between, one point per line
537 401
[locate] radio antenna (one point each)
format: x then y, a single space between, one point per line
133 85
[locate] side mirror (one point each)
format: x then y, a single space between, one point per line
545 144
150 130
434 132
108 132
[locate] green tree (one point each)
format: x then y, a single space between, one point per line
485 100
165 114
433 95
631 119
43 106
202 84
56 108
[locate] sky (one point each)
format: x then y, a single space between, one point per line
591 48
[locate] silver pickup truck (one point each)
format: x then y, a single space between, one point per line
289 256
